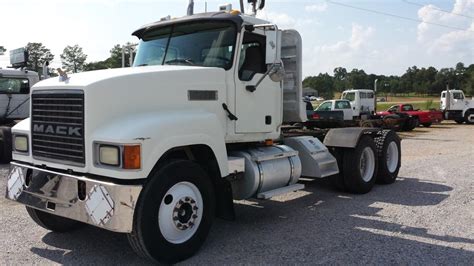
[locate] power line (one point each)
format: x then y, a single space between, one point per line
439 9
397 16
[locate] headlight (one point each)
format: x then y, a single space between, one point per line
109 155
123 156
20 143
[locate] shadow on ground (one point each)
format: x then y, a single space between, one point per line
321 226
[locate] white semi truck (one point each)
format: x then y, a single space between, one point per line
158 150
456 106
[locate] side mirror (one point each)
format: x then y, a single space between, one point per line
272 55
273 42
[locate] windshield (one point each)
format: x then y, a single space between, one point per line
14 85
209 44
349 96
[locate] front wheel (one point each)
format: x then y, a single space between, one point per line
469 117
174 213
360 166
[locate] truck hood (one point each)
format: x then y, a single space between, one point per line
89 78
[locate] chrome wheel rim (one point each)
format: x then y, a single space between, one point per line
180 212
392 157
367 164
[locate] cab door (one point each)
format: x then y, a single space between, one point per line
257 108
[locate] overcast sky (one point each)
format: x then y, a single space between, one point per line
379 36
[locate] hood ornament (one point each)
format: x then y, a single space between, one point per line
62 75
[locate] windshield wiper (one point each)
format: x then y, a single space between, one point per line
180 60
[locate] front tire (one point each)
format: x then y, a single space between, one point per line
467 119
174 213
360 166
52 222
389 157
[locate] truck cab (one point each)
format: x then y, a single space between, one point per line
457 107
362 101
338 105
15 87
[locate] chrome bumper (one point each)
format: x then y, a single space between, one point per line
106 205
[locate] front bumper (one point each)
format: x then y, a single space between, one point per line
106 205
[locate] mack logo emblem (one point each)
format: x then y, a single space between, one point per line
58 130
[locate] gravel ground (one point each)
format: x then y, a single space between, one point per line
426 217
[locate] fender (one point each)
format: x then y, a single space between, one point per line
158 132
346 137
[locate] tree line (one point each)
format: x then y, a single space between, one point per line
73 59
420 81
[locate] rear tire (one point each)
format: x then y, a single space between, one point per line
360 166
410 124
459 121
389 157
5 145
52 222
174 213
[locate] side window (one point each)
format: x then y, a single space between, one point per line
394 108
325 106
343 105
370 95
14 85
363 95
458 96
408 107
349 96
252 56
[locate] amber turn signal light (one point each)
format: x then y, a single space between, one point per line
131 157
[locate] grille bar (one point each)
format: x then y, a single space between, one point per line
57 123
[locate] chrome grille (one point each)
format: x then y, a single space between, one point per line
57 126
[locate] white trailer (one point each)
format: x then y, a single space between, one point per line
158 150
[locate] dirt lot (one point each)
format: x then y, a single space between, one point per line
426 217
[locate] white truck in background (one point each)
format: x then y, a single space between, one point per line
15 84
457 107
158 150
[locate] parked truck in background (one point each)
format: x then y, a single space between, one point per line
425 118
457 107
15 84
158 150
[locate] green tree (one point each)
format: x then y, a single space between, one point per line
73 58
38 54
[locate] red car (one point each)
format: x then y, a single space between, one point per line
425 118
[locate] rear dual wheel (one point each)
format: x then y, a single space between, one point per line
358 167
174 213
389 157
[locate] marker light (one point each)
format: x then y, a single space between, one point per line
131 157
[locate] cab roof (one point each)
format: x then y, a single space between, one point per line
17 73
238 19
210 16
